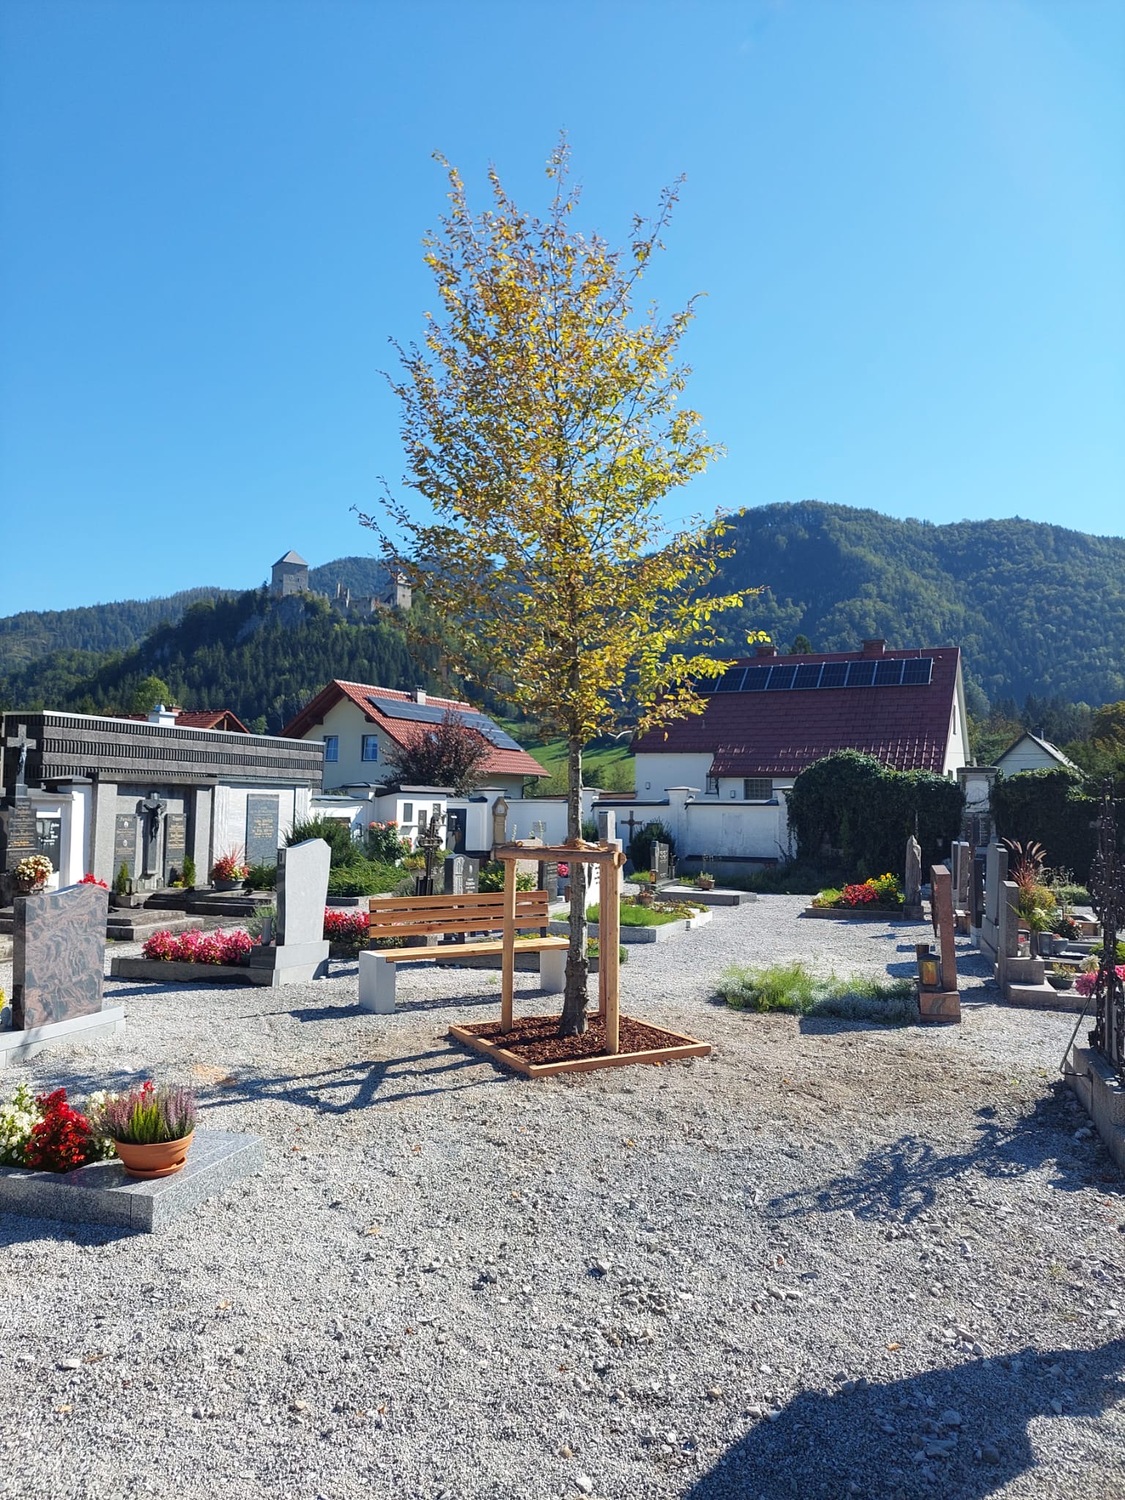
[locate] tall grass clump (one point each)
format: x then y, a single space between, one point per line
791 987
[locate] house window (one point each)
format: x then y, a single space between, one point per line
757 789
332 747
370 747
712 787
408 812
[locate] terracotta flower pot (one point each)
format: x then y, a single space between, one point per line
155 1159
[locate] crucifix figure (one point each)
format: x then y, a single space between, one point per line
153 808
21 743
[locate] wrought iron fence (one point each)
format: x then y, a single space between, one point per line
1107 896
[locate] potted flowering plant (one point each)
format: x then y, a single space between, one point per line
229 871
32 874
151 1128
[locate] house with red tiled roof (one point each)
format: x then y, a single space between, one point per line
193 718
724 772
363 726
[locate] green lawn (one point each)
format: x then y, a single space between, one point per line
606 763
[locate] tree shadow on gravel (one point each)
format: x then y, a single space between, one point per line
900 1181
960 1433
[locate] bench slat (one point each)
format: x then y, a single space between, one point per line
451 952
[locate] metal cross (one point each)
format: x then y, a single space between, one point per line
23 745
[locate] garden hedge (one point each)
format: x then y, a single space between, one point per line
1055 808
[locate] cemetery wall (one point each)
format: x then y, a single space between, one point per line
654 773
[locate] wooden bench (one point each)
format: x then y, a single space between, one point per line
449 916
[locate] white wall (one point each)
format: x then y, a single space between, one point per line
228 826
1026 755
657 770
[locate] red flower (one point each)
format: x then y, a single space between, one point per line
61 1140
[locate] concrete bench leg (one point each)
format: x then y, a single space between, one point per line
376 984
552 971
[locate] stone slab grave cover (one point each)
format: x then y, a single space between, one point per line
100 1193
301 951
57 966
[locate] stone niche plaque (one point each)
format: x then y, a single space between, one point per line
59 955
20 828
125 843
175 844
261 830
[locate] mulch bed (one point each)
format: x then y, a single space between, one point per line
533 1044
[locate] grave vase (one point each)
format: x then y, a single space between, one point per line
153 1159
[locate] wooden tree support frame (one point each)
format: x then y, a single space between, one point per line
609 858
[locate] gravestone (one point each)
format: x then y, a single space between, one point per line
940 1000
59 955
976 893
152 811
995 875
549 878
607 826
175 844
460 875
301 951
962 857
21 836
661 860
125 843
912 881
48 839
499 822
261 830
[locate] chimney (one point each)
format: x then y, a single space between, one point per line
419 696
768 649
163 716
874 648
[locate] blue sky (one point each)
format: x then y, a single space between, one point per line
908 219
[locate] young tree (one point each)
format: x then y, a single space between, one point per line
542 426
448 753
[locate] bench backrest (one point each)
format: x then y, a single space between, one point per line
431 916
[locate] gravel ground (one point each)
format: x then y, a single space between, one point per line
830 1260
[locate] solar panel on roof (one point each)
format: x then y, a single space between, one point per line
781 679
860 674
888 673
914 671
429 713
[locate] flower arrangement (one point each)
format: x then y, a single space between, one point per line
1085 983
199 947
883 893
385 843
348 929
230 866
147 1115
33 872
47 1134
91 879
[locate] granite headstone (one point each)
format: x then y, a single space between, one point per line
59 955
262 822
302 886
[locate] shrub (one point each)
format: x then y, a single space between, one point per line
384 843
347 929
854 805
335 833
640 845
366 878
121 880
188 875
262 877
1052 807
491 877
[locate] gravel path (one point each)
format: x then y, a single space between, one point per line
828 1261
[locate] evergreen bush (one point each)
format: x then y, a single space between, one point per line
1053 808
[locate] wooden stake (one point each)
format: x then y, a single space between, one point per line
508 957
609 941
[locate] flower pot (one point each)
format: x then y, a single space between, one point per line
154 1159
705 882
1060 982
227 885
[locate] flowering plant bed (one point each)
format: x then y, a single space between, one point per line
534 1047
197 947
881 899
347 931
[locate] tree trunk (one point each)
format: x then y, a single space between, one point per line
573 1019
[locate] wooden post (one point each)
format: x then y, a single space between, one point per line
609 940
508 956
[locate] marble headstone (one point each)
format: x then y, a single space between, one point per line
59 955
302 886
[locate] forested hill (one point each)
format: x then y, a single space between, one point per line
263 658
92 627
1036 609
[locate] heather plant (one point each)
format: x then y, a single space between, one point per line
149 1114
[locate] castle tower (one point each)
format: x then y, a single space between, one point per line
290 576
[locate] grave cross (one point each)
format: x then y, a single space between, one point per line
632 823
21 743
